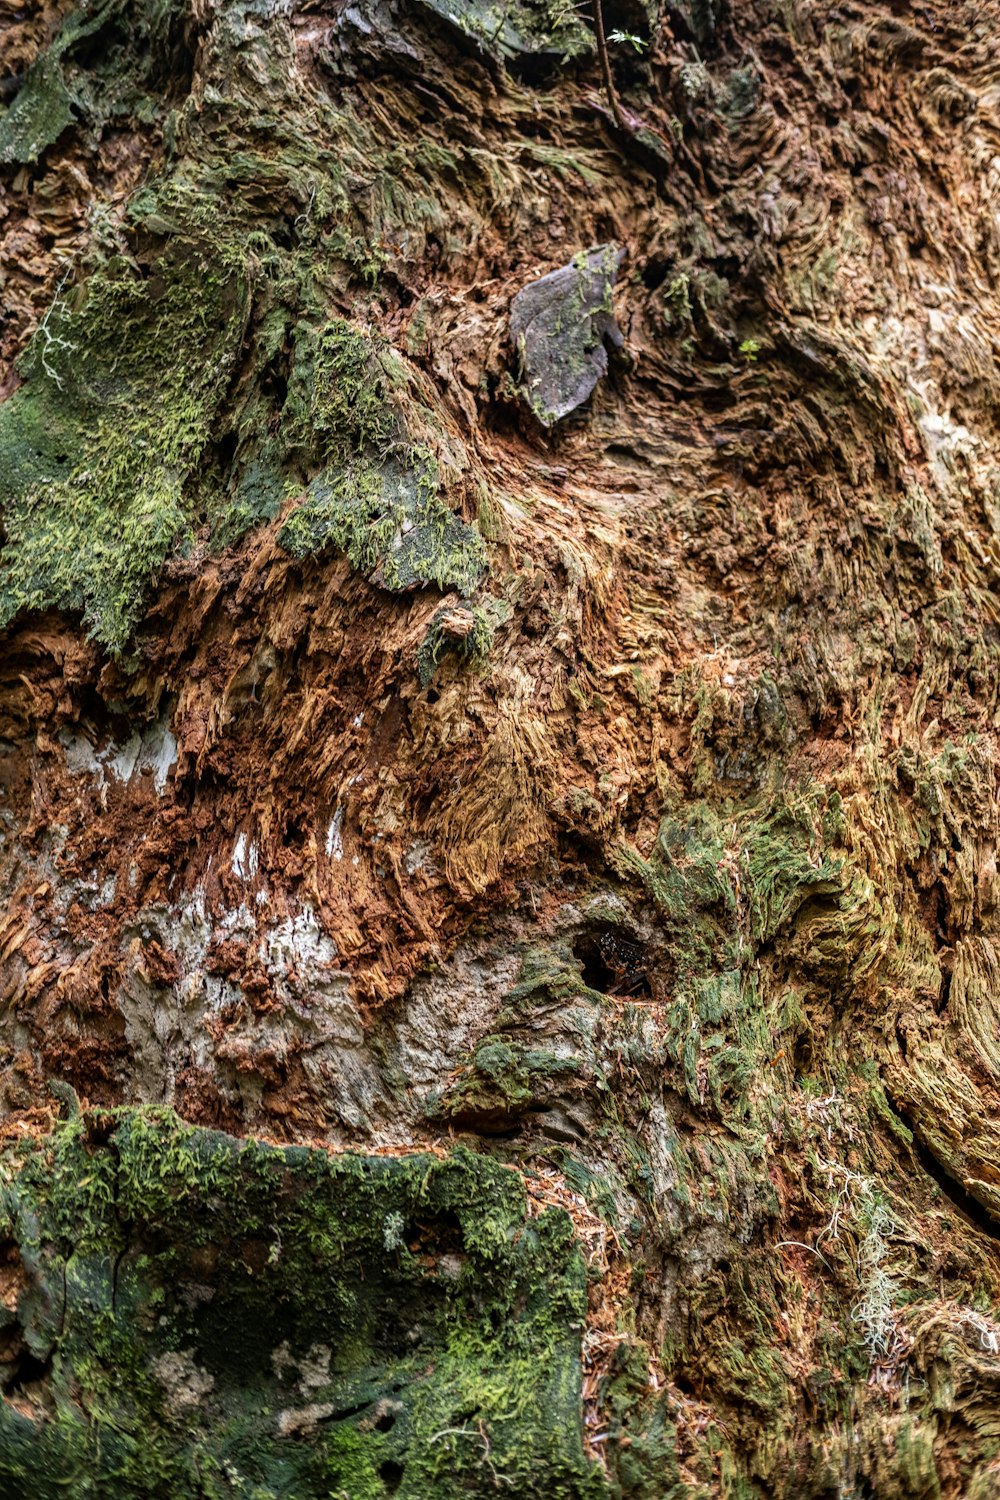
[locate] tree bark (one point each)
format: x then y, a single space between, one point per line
500 950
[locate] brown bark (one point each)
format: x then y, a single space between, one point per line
643 837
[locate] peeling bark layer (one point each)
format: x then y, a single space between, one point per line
601 792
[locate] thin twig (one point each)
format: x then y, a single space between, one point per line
602 52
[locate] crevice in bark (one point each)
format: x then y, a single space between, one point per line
961 1200
613 963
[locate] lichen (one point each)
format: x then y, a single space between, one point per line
559 325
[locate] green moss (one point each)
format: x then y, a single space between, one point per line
719 1032
391 523
783 868
338 392
503 1081
97 447
107 451
378 498
181 396
549 976
527 26
125 44
473 648
688 878
338 1319
41 112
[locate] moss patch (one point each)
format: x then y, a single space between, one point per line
529 27
391 523
98 446
192 372
205 1316
503 1081
378 500
108 60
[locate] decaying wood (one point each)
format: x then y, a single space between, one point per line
331 855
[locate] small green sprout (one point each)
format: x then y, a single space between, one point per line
636 42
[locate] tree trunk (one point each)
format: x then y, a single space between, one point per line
500 956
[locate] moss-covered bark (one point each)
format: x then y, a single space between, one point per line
191 1315
499 677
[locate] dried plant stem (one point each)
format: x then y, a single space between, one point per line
602 52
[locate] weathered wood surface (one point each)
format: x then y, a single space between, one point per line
615 793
